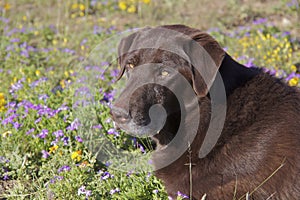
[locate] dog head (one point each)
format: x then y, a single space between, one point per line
154 61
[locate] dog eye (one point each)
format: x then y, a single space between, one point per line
164 73
130 65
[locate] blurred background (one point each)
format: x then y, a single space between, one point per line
42 46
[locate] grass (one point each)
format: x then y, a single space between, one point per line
57 80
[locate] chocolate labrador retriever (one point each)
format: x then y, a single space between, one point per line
257 153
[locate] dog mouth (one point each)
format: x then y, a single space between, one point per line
140 131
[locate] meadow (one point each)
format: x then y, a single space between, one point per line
58 79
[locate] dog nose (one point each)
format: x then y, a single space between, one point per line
119 115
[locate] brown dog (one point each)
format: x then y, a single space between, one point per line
258 150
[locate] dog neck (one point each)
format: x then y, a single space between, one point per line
235 75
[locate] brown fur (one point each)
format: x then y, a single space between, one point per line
259 148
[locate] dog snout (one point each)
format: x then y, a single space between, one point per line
120 115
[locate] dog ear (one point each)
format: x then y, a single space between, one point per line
202 82
123 50
205 54
211 55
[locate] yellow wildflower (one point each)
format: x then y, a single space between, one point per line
66 74
294 81
146 1
37 72
53 149
2 102
24 18
84 164
81 14
74 6
76 155
122 5
62 83
81 7
131 9
65 40
6 133
7 6
54 42
293 68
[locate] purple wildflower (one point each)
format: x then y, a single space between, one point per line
65 168
108 163
293 3
292 75
113 131
3 159
99 126
9 119
108 96
16 125
129 174
16 86
88 193
98 30
56 178
38 120
30 131
5 176
24 53
270 71
113 191
10 48
114 72
183 196
11 104
58 133
260 21
83 41
65 140
74 125
285 34
83 191
43 134
148 176
43 97
250 63
141 148
83 91
79 139
37 82
54 142
155 191
45 154
4 20
106 175
68 51
44 110
61 108
15 40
